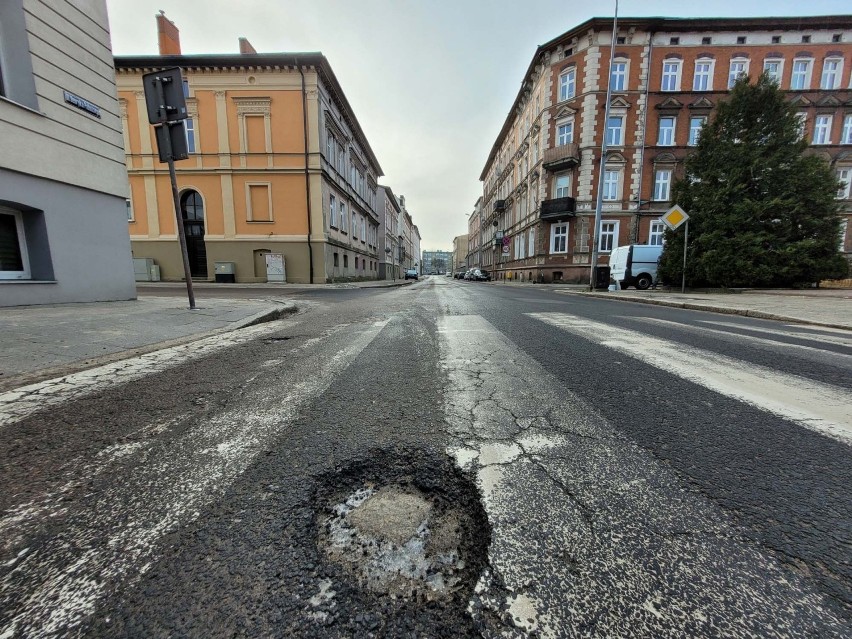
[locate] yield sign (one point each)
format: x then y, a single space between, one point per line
674 217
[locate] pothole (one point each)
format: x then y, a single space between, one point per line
274 340
406 524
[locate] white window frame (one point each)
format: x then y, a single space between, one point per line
822 129
621 75
343 217
837 73
666 136
803 123
846 135
557 232
662 185
531 243
703 81
844 175
565 136
561 189
776 77
844 225
568 84
363 229
611 187
804 75
131 215
657 233
332 207
670 80
611 141
735 72
189 131
24 274
695 132
609 229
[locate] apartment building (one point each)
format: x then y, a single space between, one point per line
437 262
277 164
667 75
63 186
388 210
460 249
474 236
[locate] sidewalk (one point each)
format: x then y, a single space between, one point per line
283 286
831 308
40 342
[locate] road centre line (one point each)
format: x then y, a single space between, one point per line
820 407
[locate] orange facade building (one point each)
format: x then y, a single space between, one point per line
277 164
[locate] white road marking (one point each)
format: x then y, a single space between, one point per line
588 529
753 339
820 407
844 339
22 402
121 527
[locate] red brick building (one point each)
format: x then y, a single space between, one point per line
541 178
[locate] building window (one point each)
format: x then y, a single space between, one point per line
567 84
531 246
655 238
842 244
14 262
846 136
706 40
354 226
741 39
801 78
129 205
345 261
189 128
564 134
667 131
844 176
738 68
608 239
559 238
674 41
618 77
563 186
671 75
703 78
343 217
662 185
822 130
803 120
610 184
806 39
773 69
336 260
332 211
615 130
832 68
837 37
363 229
776 39
695 124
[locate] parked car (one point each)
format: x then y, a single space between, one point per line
459 275
411 274
635 265
481 276
469 274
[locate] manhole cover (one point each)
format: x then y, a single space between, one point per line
412 530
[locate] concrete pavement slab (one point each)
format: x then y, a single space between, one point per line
39 342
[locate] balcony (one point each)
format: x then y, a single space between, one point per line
557 208
499 205
561 157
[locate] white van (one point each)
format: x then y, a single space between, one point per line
635 265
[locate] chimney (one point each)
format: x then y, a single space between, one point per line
245 46
168 35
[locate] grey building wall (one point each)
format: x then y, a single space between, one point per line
62 167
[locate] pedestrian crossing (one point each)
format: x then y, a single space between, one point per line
820 407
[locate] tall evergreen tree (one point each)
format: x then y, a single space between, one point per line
763 212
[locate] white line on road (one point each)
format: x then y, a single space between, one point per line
120 527
820 407
830 336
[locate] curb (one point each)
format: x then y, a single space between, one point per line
725 310
34 377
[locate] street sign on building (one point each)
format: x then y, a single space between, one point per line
506 245
674 217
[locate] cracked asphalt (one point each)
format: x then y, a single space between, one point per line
623 470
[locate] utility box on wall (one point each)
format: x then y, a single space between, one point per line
225 272
275 271
143 269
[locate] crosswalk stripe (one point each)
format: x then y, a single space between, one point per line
822 337
820 407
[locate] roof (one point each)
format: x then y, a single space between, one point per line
391 196
294 60
662 24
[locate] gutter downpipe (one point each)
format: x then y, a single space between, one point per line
307 174
635 240
599 205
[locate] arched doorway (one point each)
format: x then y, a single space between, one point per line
192 212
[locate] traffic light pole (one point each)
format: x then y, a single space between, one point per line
176 201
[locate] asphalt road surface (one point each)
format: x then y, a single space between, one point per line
447 459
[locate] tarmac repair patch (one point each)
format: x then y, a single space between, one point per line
405 524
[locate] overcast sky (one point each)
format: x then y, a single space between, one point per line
431 81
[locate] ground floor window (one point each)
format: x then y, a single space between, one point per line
14 262
559 238
345 261
336 260
657 233
608 237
